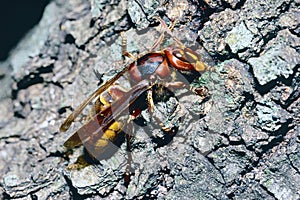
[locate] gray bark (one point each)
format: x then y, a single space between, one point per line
244 144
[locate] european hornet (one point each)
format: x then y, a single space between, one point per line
115 108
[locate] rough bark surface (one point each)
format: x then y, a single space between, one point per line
245 146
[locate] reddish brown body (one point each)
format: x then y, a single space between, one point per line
111 115
159 63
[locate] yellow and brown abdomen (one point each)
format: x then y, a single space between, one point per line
98 134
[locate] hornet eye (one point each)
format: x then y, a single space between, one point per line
186 55
180 55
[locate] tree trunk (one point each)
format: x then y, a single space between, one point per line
242 142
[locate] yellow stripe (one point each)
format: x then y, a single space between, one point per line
101 143
199 66
192 55
109 135
116 126
103 100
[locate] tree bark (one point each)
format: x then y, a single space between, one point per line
242 143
